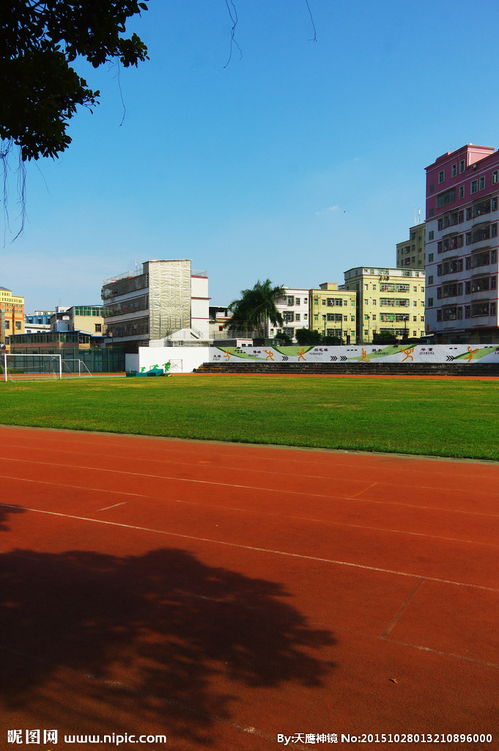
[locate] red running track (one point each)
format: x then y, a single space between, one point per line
222 594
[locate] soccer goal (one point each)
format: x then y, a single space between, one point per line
176 366
30 367
74 369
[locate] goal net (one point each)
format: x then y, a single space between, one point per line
175 366
74 369
29 367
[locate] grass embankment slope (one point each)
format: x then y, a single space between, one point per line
435 417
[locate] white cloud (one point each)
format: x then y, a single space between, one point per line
328 210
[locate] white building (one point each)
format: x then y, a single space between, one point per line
294 309
462 243
154 302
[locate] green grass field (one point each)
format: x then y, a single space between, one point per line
436 417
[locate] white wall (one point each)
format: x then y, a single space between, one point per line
182 359
200 306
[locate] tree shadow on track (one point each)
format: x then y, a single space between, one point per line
162 639
5 511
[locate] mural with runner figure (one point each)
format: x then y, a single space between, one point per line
422 353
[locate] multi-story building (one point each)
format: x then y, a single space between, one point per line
333 311
219 316
293 307
37 322
11 314
155 301
411 252
462 217
49 342
88 319
389 301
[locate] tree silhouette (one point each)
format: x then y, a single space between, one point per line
161 638
40 40
255 308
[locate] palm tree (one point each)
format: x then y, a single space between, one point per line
255 308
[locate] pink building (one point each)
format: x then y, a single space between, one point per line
462 216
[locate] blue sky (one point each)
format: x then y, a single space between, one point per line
295 162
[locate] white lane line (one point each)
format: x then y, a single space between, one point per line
234 485
254 548
78 487
286 516
332 523
400 612
166 477
262 512
440 652
330 476
106 508
347 456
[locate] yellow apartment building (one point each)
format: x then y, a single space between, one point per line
410 253
333 311
389 301
11 314
89 319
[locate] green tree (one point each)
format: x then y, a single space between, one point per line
283 339
41 90
308 337
255 308
384 337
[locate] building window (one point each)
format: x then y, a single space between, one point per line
461 191
98 327
462 166
430 302
430 257
481 183
495 177
445 198
474 186
454 170
430 280
479 309
431 235
441 176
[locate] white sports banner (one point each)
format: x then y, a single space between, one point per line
425 353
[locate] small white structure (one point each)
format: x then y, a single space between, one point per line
180 359
294 308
